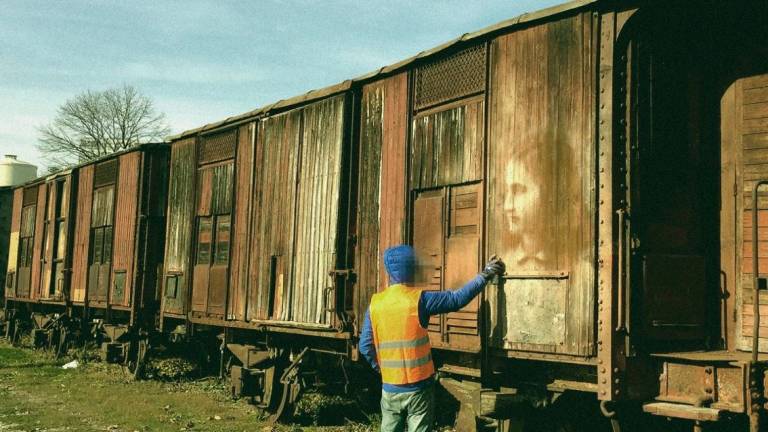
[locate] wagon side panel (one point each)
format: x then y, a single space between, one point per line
82 233
126 212
13 243
274 196
240 240
181 206
37 253
317 217
540 193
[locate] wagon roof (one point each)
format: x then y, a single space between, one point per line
63 172
311 95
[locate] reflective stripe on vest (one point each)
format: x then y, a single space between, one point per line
402 344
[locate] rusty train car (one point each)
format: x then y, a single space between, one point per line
603 150
603 153
612 153
86 247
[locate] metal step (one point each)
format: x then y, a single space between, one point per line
689 412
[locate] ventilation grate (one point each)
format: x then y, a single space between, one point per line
30 196
459 75
217 147
105 173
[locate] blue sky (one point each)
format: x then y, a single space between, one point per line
202 61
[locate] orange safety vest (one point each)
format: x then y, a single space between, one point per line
402 344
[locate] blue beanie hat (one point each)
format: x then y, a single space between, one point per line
400 262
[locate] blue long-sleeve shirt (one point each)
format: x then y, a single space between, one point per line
430 303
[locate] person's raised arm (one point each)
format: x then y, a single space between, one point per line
438 302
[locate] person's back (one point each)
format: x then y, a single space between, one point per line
395 341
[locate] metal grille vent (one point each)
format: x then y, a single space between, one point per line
459 75
105 173
30 196
218 147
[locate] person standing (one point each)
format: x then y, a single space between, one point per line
394 338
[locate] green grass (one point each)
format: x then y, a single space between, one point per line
36 394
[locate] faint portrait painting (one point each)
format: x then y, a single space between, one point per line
522 198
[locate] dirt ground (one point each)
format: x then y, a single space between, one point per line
36 394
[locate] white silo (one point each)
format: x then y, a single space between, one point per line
14 172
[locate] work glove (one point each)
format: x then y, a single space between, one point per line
494 267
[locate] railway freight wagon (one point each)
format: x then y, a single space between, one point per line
86 249
606 151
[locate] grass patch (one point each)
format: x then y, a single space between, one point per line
38 395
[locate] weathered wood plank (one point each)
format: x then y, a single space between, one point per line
126 212
541 195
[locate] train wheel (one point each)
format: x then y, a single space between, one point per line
137 359
289 394
16 335
282 387
61 346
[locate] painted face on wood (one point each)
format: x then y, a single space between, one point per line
521 195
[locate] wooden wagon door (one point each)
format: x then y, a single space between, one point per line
55 243
26 242
745 121
211 270
102 230
446 238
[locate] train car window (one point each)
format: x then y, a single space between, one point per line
222 240
204 241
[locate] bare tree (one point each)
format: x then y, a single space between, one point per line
97 123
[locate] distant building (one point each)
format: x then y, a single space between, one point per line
14 171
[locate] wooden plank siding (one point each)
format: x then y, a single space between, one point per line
238 282
37 253
82 234
13 243
369 183
381 188
125 222
751 129
49 225
448 145
276 162
392 189
317 212
180 225
296 207
541 178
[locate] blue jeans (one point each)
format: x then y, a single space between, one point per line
416 409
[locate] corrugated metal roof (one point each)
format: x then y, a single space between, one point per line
311 95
